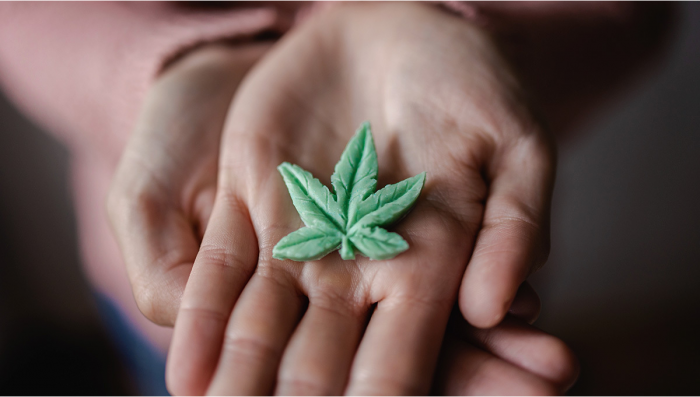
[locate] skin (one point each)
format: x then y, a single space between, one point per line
301 104
192 207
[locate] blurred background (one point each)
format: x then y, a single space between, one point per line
622 286
52 341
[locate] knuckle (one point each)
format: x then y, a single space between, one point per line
206 313
531 131
423 292
296 386
523 223
537 153
141 205
136 190
337 302
383 385
434 299
278 275
249 348
532 151
228 196
231 260
266 248
268 237
513 213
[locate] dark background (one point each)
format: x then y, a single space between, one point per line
51 338
622 286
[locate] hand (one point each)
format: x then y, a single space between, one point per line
464 369
512 358
163 190
440 100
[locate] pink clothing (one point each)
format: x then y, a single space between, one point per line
81 70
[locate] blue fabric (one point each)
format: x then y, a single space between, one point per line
144 362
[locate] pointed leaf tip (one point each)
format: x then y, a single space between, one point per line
388 204
355 176
377 243
306 244
313 201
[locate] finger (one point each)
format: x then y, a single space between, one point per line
526 305
464 369
225 262
318 358
258 331
514 237
530 349
398 352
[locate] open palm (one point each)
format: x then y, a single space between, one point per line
440 101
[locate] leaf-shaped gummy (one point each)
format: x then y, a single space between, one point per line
306 244
389 203
350 218
377 243
355 175
314 202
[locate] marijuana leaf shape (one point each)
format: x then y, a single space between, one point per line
352 216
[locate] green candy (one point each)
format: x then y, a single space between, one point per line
352 217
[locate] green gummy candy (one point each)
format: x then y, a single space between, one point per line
350 218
